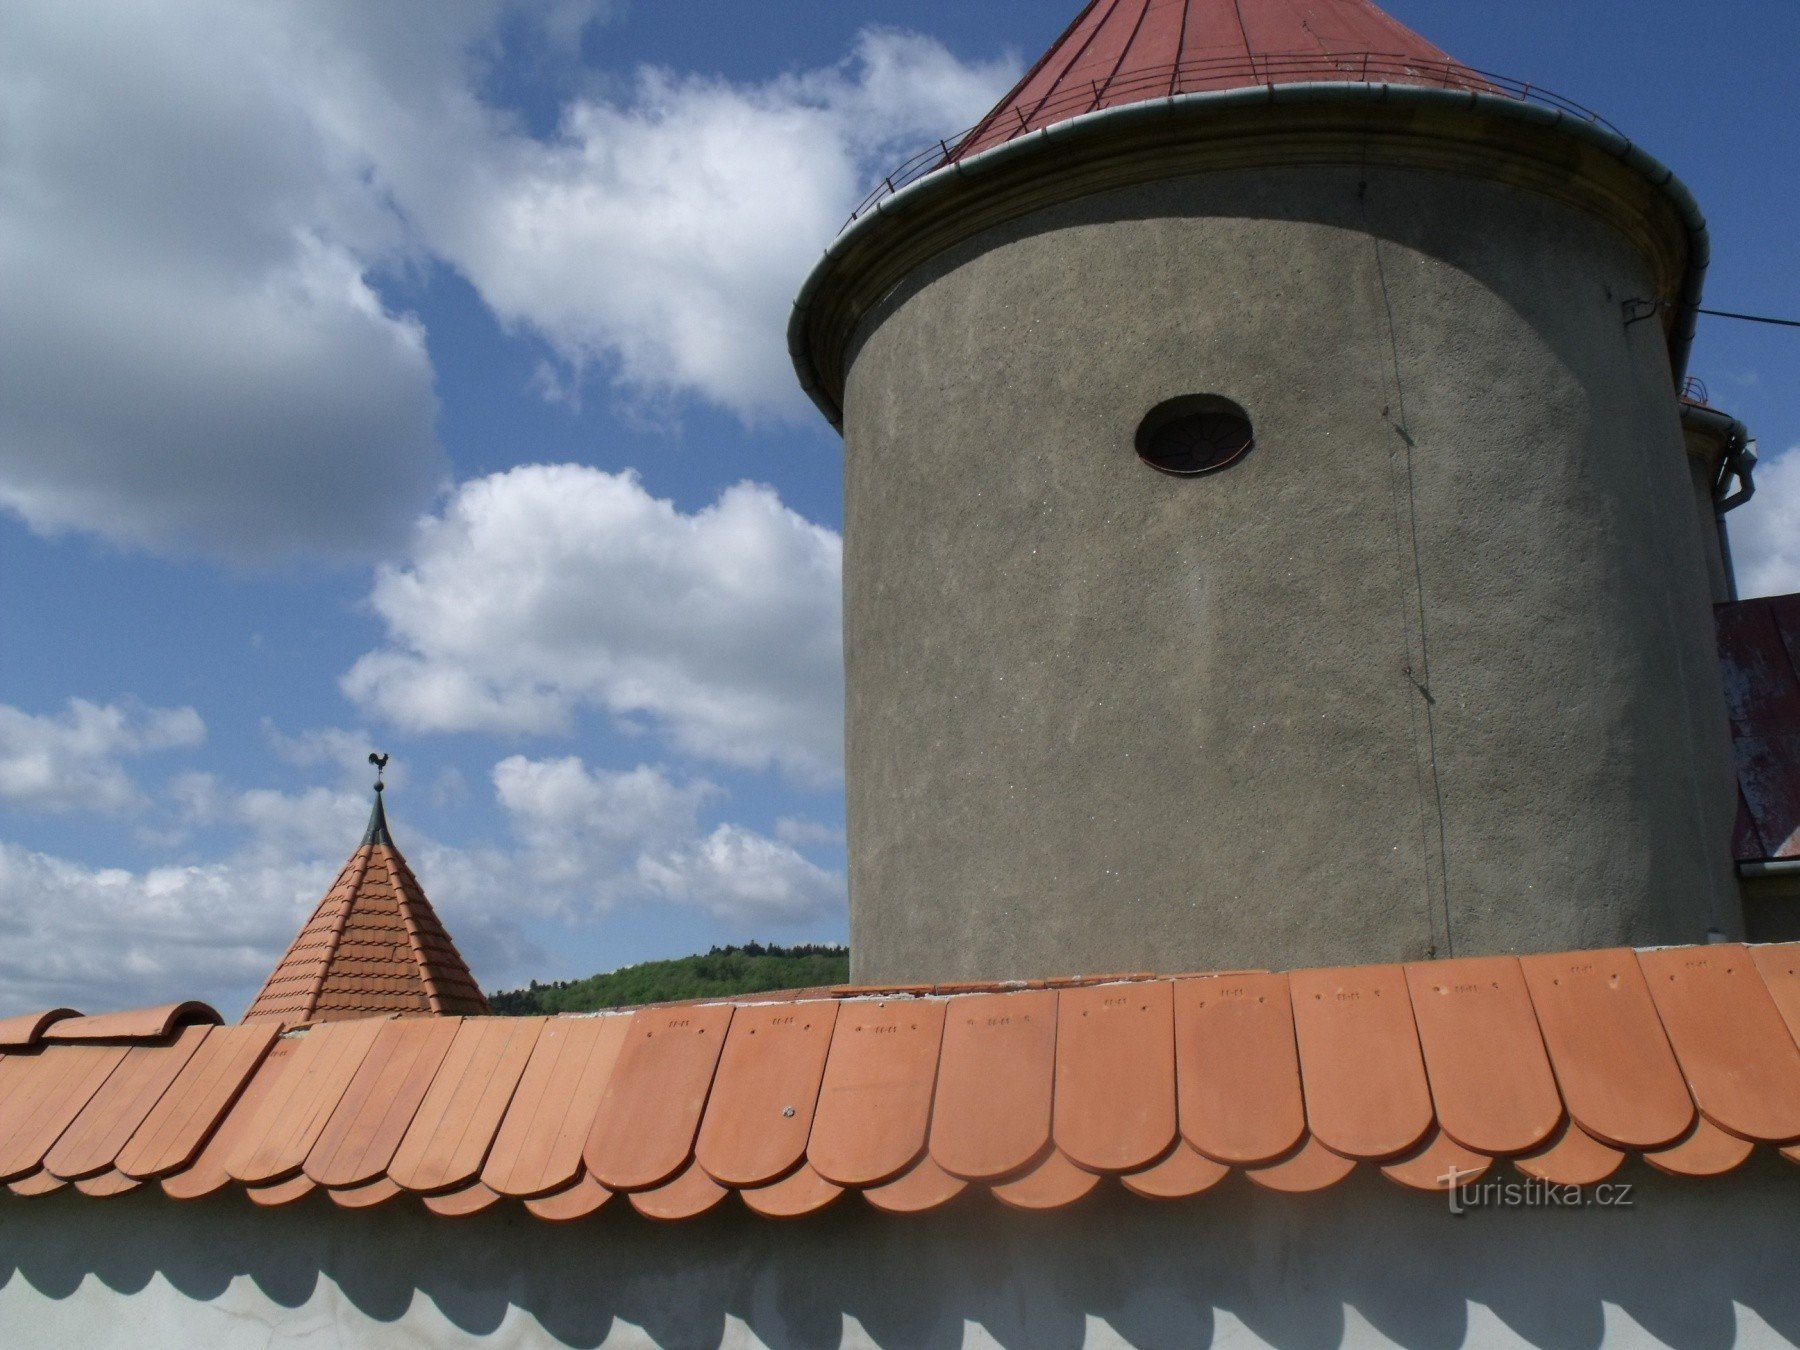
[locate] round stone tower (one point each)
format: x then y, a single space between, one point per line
1269 538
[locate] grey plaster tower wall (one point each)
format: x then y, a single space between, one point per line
1430 671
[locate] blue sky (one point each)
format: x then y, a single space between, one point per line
411 375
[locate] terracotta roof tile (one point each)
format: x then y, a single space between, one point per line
463 1201
1573 1158
1740 1061
1437 1164
1311 1167
802 1191
1237 1070
109 1182
1779 966
274 1193
1395 1067
311 1083
922 1186
448 1139
575 1201
364 1132
1491 1085
1613 1063
760 1111
365 1196
875 1102
182 1120
206 1173
1051 1184
37 1183
1360 1064
93 1141
140 1024
996 1073
1115 1060
540 1141
45 1100
1705 1152
27 1029
644 1131
1183 1173
684 1196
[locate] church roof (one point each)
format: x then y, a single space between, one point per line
1560 1066
1131 51
1759 649
373 946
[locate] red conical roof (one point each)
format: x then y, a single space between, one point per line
374 946
1131 51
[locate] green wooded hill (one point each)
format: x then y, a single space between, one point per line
751 969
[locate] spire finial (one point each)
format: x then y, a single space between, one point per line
378 829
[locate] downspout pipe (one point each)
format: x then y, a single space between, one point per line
1735 486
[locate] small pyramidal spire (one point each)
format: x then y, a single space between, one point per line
373 947
377 833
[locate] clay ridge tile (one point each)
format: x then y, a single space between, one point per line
140 1024
27 1029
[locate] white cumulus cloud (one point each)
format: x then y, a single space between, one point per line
662 234
199 200
1765 531
193 355
552 587
743 877
98 938
71 760
605 838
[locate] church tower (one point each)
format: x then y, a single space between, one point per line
1269 536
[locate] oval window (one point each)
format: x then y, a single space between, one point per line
1196 434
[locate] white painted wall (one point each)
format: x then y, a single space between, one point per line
1693 1264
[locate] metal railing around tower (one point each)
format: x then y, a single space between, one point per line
1212 76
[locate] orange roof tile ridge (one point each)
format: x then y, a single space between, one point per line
1035 1096
134 1024
27 1029
364 856
406 901
356 869
415 909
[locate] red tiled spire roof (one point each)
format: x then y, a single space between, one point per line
1131 51
373 946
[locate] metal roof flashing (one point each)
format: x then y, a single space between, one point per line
871 256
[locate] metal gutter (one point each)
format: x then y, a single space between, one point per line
1774 867
1045 139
